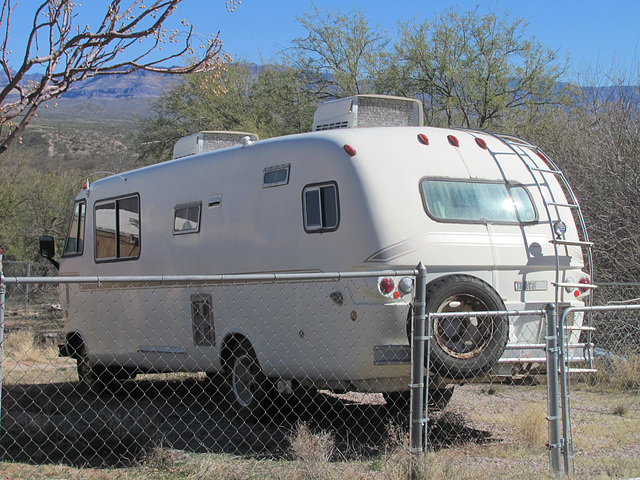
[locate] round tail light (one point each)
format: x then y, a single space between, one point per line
387 285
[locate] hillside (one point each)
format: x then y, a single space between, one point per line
92 126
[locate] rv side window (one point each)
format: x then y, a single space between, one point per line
118 229
320 207
477 201
74 244
186 219
274 176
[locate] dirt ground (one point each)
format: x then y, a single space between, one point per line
47 419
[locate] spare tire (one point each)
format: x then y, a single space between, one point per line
466 346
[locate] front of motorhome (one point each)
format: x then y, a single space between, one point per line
486 215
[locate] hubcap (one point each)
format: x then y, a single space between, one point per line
245 379
463 337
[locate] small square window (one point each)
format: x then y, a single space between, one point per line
274 176
186 219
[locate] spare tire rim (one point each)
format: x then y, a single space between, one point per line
466 336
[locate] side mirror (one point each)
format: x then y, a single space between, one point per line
48 249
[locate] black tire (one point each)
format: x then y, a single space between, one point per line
464 348
249 386
95 378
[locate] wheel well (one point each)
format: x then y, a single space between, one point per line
75 345
454 277
229 346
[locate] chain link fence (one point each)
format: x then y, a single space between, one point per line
297 377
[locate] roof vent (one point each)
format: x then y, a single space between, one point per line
368 111
207 141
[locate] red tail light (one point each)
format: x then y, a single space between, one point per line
387 285
584 281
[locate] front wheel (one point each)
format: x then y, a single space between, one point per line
95 378
466 346
248 383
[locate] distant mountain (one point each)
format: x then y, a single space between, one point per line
137 84
114 96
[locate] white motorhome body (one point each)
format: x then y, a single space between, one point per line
474 208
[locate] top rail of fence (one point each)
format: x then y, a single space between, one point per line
601 308
261 277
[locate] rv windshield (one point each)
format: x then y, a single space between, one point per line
449 200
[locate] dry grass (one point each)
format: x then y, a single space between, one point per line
488 432
21 346
533 426
620 373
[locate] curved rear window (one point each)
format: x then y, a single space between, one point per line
471 201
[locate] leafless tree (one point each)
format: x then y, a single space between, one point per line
130 37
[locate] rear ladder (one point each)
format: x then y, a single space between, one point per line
553 210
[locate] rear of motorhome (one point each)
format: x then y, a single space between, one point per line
490 217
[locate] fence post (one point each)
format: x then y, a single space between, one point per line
419 418
555 447
26 296
2 298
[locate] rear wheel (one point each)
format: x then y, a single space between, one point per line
466 346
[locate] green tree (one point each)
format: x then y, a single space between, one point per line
340 51
34 203
199 102
282 101
269 101
471 69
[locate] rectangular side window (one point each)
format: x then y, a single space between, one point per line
477 201
186 219
320 207
274 176
74 244
117 228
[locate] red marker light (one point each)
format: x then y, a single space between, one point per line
544 159
481 143
453 141
350 150
423 139
396 294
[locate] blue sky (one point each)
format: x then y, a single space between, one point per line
596 34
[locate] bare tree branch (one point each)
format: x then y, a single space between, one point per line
69 52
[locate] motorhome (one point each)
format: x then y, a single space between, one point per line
370 188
